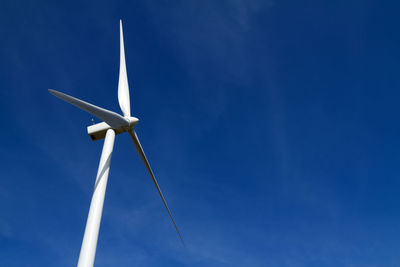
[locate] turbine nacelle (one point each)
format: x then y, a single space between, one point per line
98 131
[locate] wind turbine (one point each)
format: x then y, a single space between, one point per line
113 123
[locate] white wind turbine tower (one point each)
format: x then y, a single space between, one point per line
113 124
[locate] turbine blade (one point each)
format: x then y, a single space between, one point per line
123 88
140 151
111 118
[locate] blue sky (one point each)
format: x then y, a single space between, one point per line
272 127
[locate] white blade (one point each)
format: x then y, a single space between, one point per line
123 88
111 118
140 151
